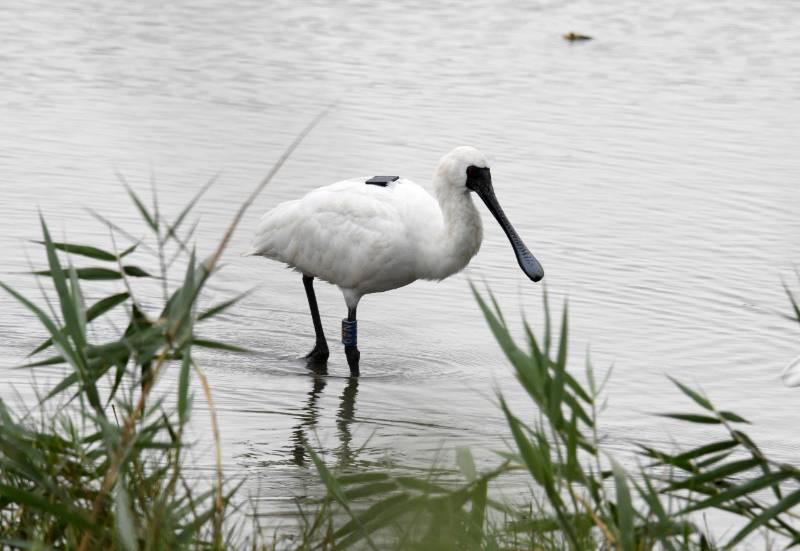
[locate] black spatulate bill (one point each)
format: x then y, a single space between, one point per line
479 180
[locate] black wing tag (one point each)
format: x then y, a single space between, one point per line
382 180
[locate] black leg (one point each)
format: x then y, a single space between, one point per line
349 334
319 355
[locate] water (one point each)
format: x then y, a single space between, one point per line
652 170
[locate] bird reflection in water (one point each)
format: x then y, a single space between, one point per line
310 418
344 418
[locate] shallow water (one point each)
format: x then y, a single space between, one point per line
653 171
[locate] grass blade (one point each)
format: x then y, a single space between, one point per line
478 512
691 418
183 386
124 517
735 492
217 345
115 228
769 514
337 492
56 334
625 510
53 360
362 478
97 273
173 229
715 475
732 417
695 396
68 306
135 271
13 494
221 307
371 489
139 205
82 250
375 517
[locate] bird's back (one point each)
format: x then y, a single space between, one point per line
352 234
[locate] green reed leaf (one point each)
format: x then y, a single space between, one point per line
625 511
221 307
124 517
371 489
528 452
95 311
83 250
173 229
53 360
362 478
716 475
707 449
377 515
337 492
183 386
217 345
735 492
794 302
420 484
695 396
97 273
148 218
479 501
663 529
63 512
69 307
732 417
691 418
135 271
327 478
768 515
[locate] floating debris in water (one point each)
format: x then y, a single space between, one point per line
573 37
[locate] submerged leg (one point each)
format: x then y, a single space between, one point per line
320 352
350 341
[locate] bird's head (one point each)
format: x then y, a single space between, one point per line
465 170
454 166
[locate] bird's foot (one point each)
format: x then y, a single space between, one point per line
318 358
353 356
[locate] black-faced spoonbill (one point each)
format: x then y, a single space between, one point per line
369 235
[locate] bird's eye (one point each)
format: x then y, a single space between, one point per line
472 171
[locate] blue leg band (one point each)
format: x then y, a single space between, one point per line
349 332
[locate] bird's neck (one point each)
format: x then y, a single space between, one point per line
459 236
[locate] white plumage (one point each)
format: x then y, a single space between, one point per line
370 238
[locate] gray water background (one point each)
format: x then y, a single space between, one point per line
654 171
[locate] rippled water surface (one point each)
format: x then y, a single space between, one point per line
654 171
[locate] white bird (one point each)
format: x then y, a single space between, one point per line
369 235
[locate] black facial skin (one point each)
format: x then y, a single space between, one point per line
479 180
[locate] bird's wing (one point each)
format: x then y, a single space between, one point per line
349 233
